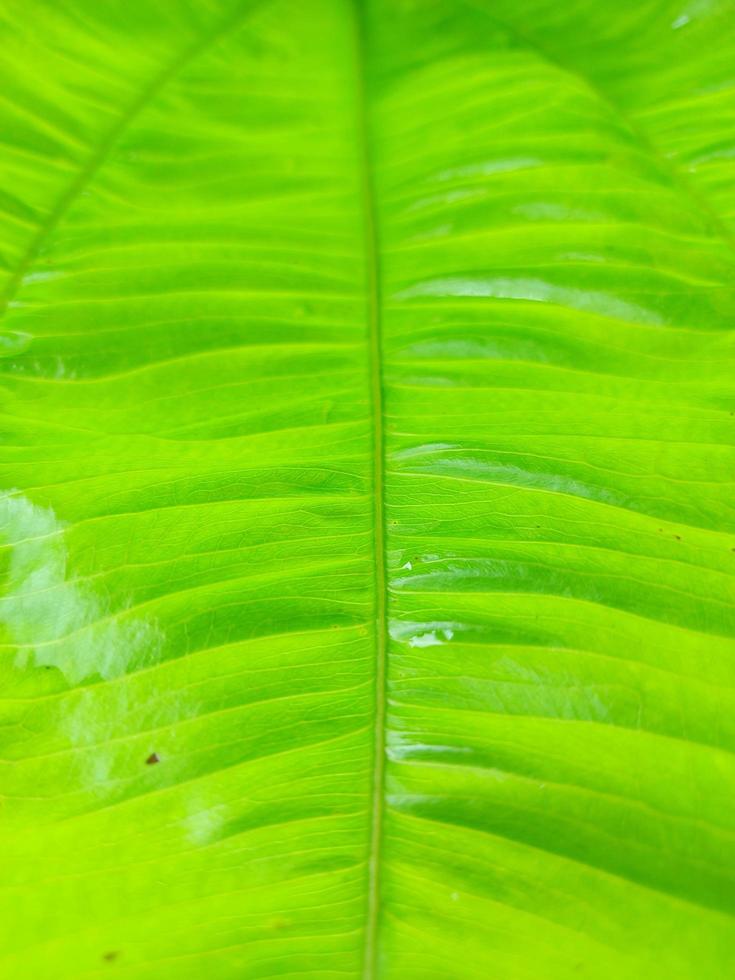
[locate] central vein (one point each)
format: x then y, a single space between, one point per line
372 276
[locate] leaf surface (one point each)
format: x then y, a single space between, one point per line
366 516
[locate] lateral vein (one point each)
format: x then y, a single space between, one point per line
98 157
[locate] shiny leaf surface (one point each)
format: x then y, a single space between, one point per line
366 514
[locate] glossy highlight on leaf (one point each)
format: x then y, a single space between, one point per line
366 506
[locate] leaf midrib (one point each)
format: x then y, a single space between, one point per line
372 279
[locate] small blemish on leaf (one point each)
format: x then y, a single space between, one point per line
111 956
152 759
280 923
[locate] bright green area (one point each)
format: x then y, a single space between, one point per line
368 385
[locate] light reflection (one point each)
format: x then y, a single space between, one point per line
54 620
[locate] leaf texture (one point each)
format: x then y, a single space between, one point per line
366 515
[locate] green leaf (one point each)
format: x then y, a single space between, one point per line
366 514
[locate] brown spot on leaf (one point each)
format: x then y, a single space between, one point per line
111 956
152 759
